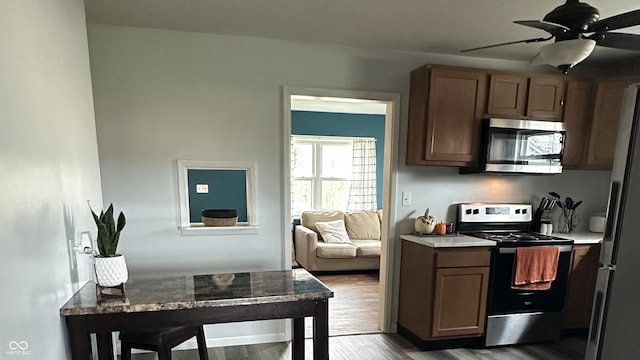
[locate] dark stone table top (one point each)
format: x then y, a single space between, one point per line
194 291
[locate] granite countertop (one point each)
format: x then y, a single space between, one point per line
448 241
194 291
581 237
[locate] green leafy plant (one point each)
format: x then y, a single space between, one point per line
108 231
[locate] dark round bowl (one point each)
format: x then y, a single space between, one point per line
220 213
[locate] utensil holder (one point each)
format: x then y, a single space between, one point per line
567 221
541 216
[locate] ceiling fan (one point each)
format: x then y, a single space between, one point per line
577 29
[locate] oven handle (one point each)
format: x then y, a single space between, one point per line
563 248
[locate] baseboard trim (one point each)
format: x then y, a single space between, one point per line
468 342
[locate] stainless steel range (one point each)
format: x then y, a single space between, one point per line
515 315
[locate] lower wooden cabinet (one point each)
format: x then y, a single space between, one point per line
582 284
460 299
443 291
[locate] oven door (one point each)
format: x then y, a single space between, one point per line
524 146
505 300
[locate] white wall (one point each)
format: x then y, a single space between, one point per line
49 162
161 96
439 188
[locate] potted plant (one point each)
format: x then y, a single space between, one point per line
110 267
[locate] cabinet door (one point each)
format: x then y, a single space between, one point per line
445 109
460 298
581 288
577 116
604 125
456 104
545 97
507 95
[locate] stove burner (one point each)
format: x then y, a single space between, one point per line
522 238
509 225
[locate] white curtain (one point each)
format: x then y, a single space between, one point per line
363 194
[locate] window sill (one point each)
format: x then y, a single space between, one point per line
201 230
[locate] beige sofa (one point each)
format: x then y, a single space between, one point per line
362 253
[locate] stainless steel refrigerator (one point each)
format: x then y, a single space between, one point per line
615 322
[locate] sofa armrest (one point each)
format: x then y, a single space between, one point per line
306 241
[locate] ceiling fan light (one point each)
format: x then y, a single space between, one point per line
567 52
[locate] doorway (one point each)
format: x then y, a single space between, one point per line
344 100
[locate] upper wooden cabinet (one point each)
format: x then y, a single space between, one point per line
577 116
507 95
446 105
604 124
546 96
524 95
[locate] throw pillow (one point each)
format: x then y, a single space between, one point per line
310 218
333 231
362 225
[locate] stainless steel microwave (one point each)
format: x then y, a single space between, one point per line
521 146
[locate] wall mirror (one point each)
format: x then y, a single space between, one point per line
217 185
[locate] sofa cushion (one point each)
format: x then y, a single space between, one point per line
335 250
310 218
367 248
363 225
333 231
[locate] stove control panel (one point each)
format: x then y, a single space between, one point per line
486 212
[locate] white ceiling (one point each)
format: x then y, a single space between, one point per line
434 26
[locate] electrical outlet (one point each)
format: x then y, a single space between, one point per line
202 188
406 198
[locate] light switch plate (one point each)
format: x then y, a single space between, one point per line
406 198
202 188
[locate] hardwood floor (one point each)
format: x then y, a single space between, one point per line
390 347
354 308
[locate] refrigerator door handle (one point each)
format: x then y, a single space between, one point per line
598 314
611 211
607 255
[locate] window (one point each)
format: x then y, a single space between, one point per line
217 184
321 171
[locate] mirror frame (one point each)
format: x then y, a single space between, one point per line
186 227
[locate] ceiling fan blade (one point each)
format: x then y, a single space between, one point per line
544 25
508 43
620 41
620 21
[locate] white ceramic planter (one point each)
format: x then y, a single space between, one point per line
111 271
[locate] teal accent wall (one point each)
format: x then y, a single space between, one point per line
227 190
343 124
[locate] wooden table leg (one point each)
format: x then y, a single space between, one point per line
79 339
298 339
105 346
321 331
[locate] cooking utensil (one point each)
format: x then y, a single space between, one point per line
555 195
568 202
544 203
